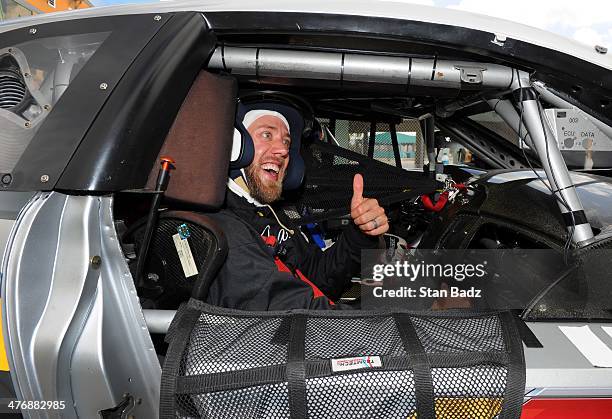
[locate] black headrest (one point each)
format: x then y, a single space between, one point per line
200 142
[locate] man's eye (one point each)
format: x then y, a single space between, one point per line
287 142
266 134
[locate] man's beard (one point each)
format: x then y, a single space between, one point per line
262 193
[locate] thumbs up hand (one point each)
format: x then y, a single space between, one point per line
366 213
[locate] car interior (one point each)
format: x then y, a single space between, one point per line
410 142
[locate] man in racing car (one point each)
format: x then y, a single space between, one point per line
271 266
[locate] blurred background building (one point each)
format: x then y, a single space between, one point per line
13 9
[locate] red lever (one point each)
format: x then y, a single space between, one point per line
167 163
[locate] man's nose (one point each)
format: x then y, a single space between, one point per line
279 147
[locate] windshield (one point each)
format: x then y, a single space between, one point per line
357 136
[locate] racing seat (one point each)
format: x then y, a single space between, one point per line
185 254
187 248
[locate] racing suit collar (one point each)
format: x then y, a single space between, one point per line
241 191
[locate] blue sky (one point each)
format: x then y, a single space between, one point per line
587 21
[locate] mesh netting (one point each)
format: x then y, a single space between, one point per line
328 183
340 338
226 363
472 392
266 401
458 335
390 394
218 344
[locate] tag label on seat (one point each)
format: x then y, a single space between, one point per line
355 363
185 256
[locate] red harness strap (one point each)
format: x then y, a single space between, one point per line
442 200
315 290
428 204
271 241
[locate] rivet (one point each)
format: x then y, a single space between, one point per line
27 124
96 261
600 49
7 179
47 107
32 31
103 86
157 18
10 50
44 178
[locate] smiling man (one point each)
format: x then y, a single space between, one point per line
270 264
271 141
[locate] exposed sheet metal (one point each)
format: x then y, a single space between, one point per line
72 319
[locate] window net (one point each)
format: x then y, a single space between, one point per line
328 183
226 363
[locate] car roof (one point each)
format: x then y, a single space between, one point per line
376 8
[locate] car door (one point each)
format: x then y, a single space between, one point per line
95 98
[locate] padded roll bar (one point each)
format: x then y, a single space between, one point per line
263 63
545 144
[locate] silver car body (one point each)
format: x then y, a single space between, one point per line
72 322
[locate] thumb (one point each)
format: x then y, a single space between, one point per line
357 190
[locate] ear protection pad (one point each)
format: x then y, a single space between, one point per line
243 150
242 146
